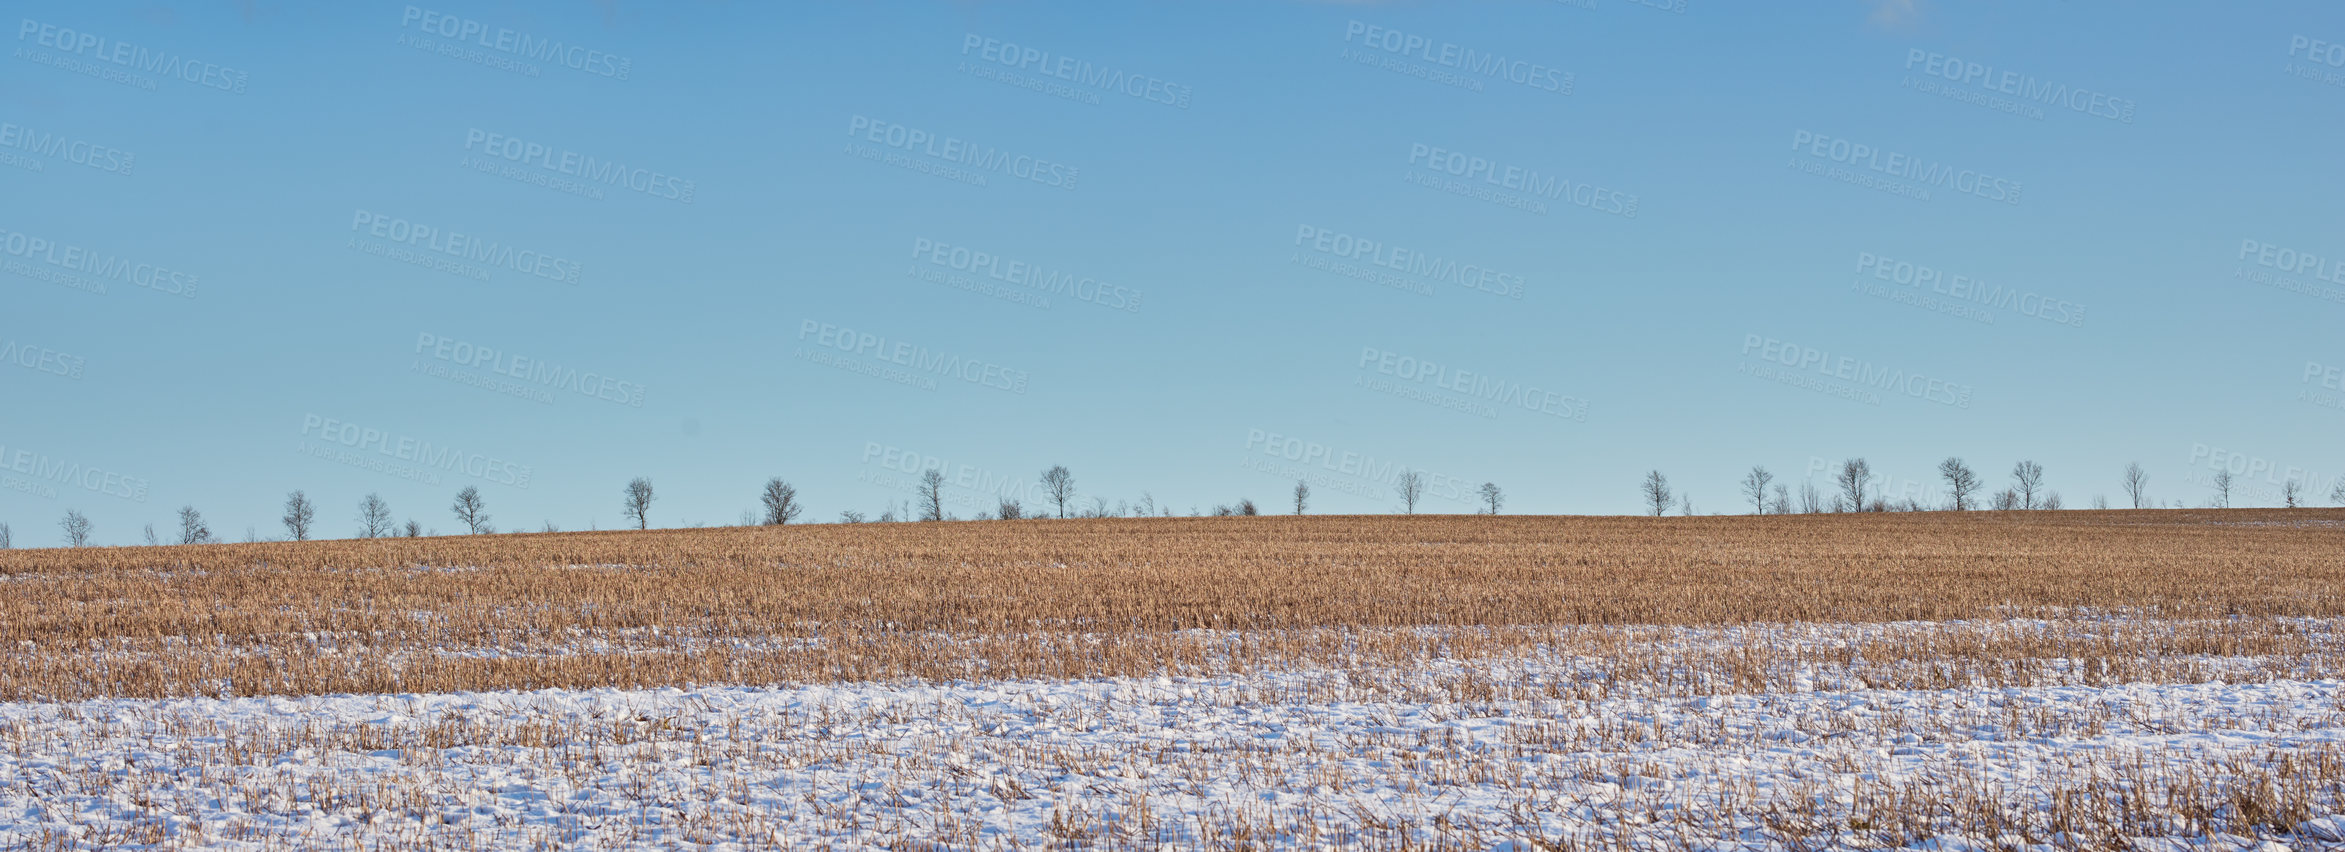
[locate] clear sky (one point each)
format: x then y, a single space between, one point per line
1192 251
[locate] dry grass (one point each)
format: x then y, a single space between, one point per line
1076 599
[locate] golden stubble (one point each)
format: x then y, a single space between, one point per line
1136 597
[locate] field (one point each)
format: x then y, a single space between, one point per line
1925 680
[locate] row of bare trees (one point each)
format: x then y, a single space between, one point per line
1854 487
300 520
1058 487
780 503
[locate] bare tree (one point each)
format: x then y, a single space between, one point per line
1782 503
2100 501
1960 482
1754 486
1855 479
1811 500
2137 484
2028 478
1059 485
781 502
471 511
2051 502
1685 505
932 495
2337 492
1411 486
1247 508
638 503
2008 500
1302 497
298 514
413 529
850 516
1010 510
77 528
1147 505
5 541
1492 498
2291 492
1657 494
374 517
149 532
2222 483
191 527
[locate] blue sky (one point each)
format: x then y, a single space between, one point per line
1189 251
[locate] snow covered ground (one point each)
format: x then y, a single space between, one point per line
1307 759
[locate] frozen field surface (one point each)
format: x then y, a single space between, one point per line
1302 759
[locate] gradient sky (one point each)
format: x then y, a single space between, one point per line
2104 180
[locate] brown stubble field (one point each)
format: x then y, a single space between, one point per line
1054 599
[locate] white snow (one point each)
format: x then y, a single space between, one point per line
1305 759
